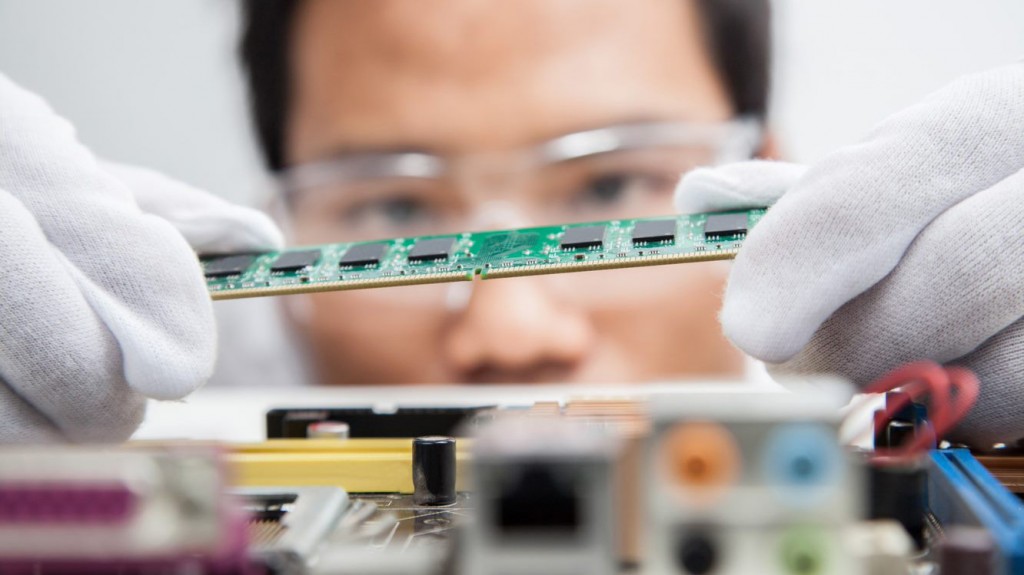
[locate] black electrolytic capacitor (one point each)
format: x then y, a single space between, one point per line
433 470
900 492
967 551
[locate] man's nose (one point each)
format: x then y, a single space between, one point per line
513 331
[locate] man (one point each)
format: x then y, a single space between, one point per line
483 86
899 248
854 272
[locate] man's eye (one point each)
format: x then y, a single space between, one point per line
402 210
605 190
613 194
393 211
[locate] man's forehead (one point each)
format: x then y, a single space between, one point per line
462 37
454 74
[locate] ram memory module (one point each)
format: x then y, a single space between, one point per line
484 255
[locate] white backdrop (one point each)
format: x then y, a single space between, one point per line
157 83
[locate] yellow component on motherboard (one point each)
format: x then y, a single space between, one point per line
356 465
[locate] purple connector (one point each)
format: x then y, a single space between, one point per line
35 503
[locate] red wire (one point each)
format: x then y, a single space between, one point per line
968 387
952 392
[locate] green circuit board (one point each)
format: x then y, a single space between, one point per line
481 255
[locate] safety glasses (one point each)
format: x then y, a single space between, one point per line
614 172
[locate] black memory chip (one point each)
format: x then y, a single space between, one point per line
725 225
430 250
656 231
585 237
363 255
294 261
227 265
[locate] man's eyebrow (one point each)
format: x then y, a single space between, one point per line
621 122
355 152
398 149
606 138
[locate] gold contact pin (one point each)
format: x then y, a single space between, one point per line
467 275
627 262
341 285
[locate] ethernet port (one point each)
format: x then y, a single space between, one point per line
539 498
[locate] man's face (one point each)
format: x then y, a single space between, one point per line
478 81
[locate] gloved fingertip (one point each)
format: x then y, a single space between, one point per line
263 234
236 229
170 385
739 186
756 332
695 190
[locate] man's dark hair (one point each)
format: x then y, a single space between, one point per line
738 33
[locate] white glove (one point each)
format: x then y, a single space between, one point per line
907 246
101 304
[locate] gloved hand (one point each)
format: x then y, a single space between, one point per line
102 300
907 246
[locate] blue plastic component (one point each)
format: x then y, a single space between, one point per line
962 492
801 460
